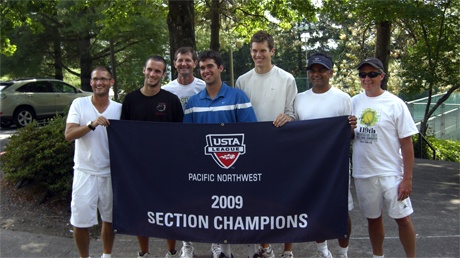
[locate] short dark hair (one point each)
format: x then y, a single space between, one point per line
211 54
158 59
103 68
261 36
185 50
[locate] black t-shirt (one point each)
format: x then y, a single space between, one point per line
162 107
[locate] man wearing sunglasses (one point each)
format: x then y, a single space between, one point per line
335 103
383 157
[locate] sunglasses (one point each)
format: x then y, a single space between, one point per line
370 74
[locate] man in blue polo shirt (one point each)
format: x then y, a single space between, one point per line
217 103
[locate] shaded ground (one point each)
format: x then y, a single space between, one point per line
20 210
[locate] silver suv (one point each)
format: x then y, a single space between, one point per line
24 100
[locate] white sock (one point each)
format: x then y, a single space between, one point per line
106 255
185 243
287 253
343 250
268 249
322 247
377 256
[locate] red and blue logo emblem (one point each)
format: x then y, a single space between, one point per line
225 148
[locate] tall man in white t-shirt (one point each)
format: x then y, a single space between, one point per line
272 92
383 158
322 101
86 124
186 85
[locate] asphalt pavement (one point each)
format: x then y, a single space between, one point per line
435 198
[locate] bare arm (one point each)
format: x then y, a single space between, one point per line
407 150
76 131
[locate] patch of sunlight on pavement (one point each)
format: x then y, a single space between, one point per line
455 201
34 247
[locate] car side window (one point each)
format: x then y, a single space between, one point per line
68 89
57 87
43 87
38 87
62 87
25 88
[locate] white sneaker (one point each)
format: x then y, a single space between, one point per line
320 254
265 252
140 255
170 255
287 254
186 251
216 251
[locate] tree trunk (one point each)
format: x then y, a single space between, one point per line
57 55
382 47
181 26
84 45
215 26
57 51
114 69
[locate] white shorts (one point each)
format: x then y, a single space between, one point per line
372 192
350 198
90 193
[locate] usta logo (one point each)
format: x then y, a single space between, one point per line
225 148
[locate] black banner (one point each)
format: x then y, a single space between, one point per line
231 183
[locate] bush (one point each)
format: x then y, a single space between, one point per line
41 155
446 150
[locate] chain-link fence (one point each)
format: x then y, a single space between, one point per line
445 121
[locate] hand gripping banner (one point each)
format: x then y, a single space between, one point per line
231 183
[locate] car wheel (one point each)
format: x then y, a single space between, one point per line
6 123
23 116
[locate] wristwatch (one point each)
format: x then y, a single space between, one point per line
89 124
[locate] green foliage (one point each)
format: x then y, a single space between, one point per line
40 154
241 19
430 64
446 150
55 35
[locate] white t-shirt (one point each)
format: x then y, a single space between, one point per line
270 94
310 105
92 150
184 92
382 121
